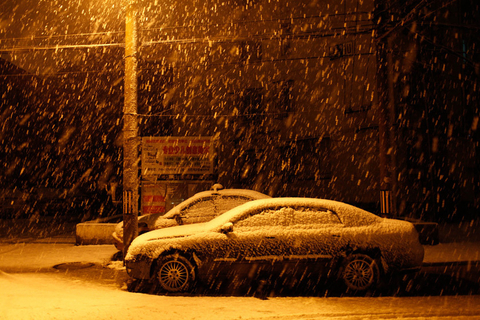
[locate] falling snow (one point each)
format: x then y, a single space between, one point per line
374 103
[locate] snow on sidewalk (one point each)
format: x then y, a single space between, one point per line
43 296
452 252
36 256
33 257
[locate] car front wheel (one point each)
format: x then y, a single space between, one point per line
360 272
174 273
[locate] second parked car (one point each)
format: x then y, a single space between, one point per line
202 207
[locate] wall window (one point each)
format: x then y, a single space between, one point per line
250 51
286 30
251 104
307 159
283 100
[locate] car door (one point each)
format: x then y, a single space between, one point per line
316 238
257 237
250 249
317 232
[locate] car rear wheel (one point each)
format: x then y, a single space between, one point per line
360 272
175 273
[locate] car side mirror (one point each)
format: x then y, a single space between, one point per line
178 219
227 227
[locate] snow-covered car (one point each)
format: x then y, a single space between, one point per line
327 238
201 207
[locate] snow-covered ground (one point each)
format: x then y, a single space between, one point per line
46 296
33 257
452 252
31 289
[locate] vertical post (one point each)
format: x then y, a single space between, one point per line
381 111
385 181
392 125
130 130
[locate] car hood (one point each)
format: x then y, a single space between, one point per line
172 232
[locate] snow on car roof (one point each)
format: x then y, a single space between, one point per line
348 214
228 192
240 192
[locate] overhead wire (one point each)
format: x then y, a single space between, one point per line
304 35
409 16
408 19
109 33
443 47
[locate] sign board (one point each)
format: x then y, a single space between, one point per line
341 50
153 198
161 196
177 155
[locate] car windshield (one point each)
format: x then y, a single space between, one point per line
212 204
183 206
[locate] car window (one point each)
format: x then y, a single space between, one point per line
199 211
224 203
267 218
314 216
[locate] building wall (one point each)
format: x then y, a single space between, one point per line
287 89
436 101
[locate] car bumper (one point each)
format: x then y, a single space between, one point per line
117 241
139 269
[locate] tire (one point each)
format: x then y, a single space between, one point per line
360 272
174 273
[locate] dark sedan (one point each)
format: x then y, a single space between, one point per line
340 240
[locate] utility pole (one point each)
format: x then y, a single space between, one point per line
392 126
383 141
130 129
382 95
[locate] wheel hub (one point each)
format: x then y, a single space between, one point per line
359 273
173 275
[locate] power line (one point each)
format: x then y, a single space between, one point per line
61 47
64 36
183 41
194 26
402 21
59 74
409 16
368 29
244 22
442 47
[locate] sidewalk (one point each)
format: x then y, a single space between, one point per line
43 254
30 250
459 243
453 252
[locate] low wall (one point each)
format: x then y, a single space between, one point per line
88 233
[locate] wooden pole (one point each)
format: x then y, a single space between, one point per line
130 130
